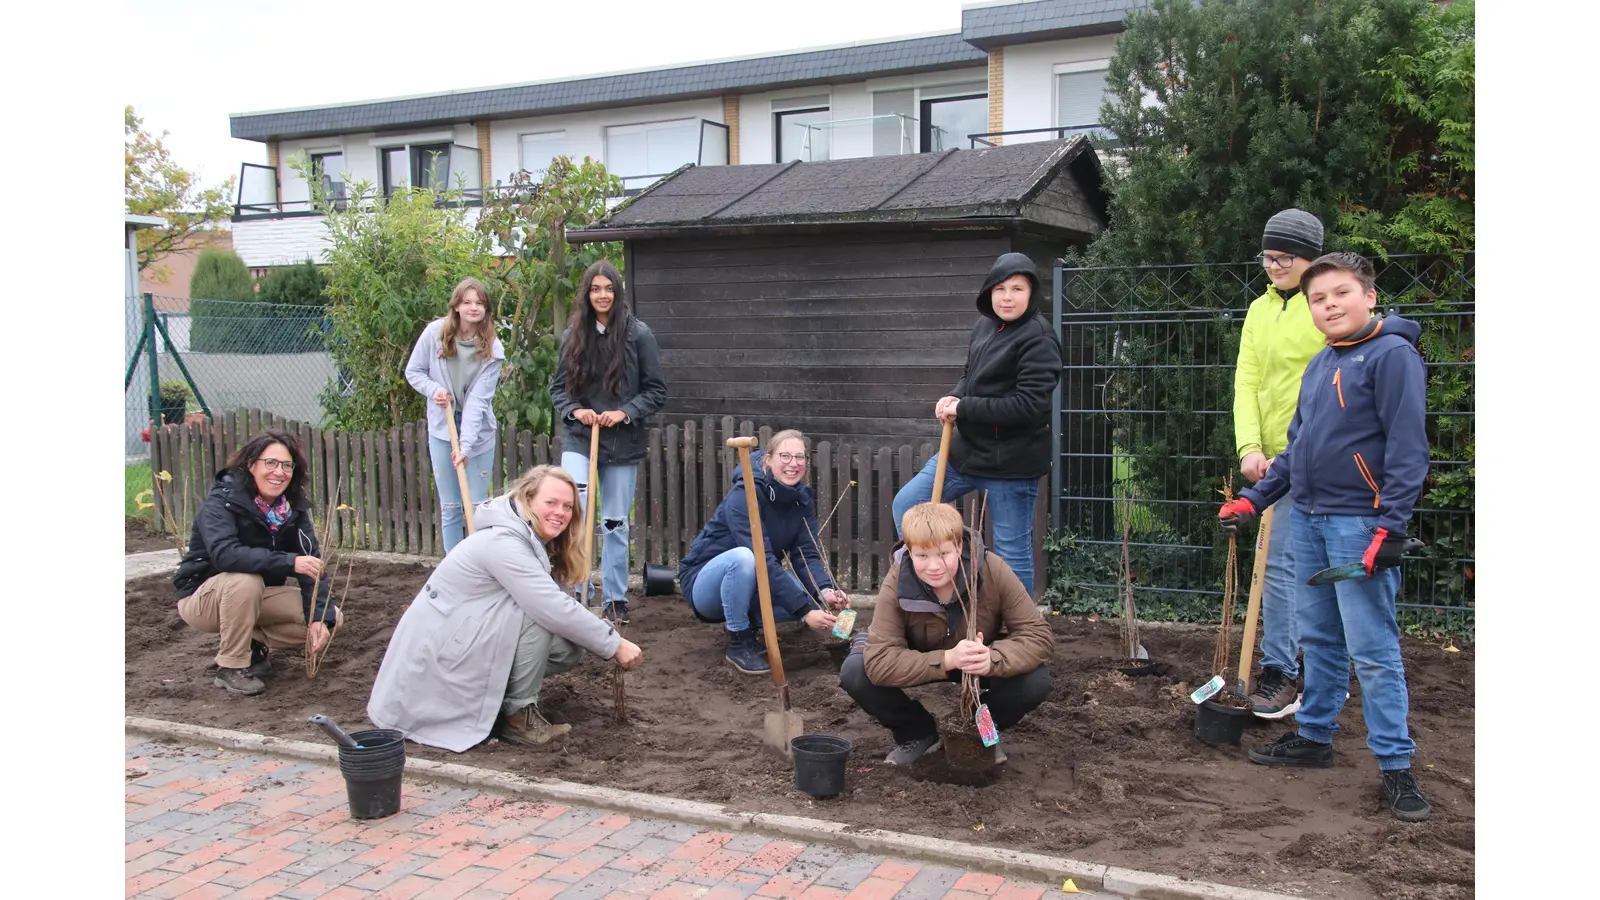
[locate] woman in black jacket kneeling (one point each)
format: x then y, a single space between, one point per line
252 535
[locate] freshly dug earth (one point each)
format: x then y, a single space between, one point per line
139 538
1107 770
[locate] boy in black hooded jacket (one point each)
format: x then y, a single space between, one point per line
1001 411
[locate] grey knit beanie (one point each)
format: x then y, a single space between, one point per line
1294 231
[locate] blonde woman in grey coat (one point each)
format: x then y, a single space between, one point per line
492 621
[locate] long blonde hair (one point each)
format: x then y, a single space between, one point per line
567 561
453 328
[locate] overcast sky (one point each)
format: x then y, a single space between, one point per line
225 56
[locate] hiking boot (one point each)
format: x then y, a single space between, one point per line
909 752
238 681
527 727
1276 695
616 612
747 654
1403 796
1294 750
260 660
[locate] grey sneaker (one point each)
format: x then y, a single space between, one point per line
238 681
1276 695
527 727
909 752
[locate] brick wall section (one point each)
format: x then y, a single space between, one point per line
483 154
730 115
997 91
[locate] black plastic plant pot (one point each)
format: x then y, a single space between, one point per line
659 580
372 772
1139 667
819 762
1220 724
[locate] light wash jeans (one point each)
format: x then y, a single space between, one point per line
616 501
540 652
1280 629
725 588
1010 509
1347 620
452 521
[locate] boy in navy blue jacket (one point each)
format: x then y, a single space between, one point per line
1354 468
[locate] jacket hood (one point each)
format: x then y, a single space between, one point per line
1007 265
502 512
767 486
1381 325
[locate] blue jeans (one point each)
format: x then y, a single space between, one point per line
1010 509
1280 630
616 501
451 519
725 588
1348 620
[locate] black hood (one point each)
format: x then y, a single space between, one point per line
1007 265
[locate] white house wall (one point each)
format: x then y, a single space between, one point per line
283 242
1030 100
586 131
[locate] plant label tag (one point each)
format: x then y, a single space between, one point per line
847 621
986 729
1206 691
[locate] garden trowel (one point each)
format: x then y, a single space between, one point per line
1354 570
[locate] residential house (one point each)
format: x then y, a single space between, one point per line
1013 72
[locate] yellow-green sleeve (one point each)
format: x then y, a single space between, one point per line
1246 389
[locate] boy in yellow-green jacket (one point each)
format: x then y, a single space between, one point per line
1279 339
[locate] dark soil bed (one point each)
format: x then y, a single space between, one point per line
1108 770
138 538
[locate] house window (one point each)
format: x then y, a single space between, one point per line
1079 93
639 154
327 168
795 141
947 121
420 165
538 149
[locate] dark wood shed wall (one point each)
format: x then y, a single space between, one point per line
845 336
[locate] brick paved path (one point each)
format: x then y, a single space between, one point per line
203 822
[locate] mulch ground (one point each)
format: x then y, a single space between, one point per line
1107 770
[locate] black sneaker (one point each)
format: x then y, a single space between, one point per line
238 681
1403 796
747 654
616 611
1276 695
1294 750
260 660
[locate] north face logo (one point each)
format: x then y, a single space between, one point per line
1361 357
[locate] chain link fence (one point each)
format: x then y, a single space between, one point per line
1146 412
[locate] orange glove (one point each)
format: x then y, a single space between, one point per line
1236 513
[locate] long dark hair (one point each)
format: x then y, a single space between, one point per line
590 354
246 456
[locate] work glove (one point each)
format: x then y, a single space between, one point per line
1235 513
1385 550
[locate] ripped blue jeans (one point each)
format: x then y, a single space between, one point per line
452 521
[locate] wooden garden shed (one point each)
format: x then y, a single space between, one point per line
837 297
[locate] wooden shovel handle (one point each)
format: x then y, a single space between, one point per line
461 470
1252 615
589 507
944 459
759 545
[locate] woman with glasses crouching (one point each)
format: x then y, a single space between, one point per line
718 575
252 574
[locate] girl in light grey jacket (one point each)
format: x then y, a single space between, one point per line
492 621
457 359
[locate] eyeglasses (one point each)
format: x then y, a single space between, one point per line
1282 262
791 458
274 465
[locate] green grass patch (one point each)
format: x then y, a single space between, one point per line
137 481
1144 518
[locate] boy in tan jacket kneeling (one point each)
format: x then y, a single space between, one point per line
917 628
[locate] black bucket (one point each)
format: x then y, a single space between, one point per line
1218 724
372 772
659 580
819 761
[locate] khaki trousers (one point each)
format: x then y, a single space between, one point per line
540 652
239 606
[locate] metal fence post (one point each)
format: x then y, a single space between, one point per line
155 359
1055 405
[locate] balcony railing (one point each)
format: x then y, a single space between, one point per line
1102 136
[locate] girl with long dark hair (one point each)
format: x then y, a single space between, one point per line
608 376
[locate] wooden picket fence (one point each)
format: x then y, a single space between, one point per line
381 485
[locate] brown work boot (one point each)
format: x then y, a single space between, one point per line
527 727
238 681
1276 695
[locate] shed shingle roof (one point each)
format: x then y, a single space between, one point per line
997 182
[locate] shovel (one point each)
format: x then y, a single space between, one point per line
1355 570
589 586
461 470
334 731
779 728
944 459
1252 613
